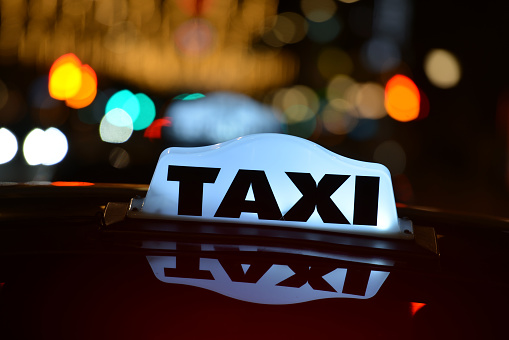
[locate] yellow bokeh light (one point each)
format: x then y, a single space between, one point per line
73 82
65 82
442 68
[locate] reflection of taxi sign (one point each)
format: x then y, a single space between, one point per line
273 179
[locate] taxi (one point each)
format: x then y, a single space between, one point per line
264 236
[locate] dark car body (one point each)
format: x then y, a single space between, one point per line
74 266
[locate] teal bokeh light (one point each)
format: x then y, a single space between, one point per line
189 96
139 107
147 112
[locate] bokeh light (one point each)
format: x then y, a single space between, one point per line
154 130
336 117
318 10
442 68
116 126
119 158
195 37
45 147
73 82
369 101
189 96
219 117
289 28
402 98
8 145
88 90
147 112
339 87
139 107
65 77
298 103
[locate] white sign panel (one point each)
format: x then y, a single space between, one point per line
274 179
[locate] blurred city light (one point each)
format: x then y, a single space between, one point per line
189 96
116 126
73 82
219 117
65 77
210 41
119 158
8 145
88 89
318 10
402 98
47 147
139 107
442 68
336 117
154 130
339 87
299 105
195 37
369 101
289 28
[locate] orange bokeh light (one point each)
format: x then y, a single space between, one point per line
88 89
73 82
402 98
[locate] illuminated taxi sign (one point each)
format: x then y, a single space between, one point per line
274 179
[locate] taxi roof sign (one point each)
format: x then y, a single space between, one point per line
273 179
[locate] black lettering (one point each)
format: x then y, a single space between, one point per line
311 275
188 265
365 211
356 281
191 181
234 270
234 202
316 196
